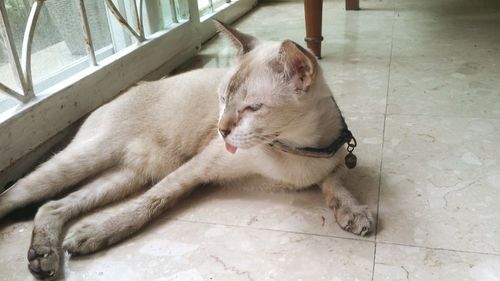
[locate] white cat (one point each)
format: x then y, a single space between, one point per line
276 121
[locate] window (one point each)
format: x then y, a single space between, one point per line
207 7
61 59
58 48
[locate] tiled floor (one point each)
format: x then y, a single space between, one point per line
419 82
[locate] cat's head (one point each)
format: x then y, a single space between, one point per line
263 96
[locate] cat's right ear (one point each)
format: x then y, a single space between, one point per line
296 65
243 43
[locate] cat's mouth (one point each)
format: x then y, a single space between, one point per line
233 142
230 148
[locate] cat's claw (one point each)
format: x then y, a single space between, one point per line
355 219
43 262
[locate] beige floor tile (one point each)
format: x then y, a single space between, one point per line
419 48
448 31
360 26
359 84
340 48
402 263
174 250
440 183
444 86
446 9
445 59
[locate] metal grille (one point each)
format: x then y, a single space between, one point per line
21 63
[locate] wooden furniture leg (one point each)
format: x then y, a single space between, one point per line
313 10
351 5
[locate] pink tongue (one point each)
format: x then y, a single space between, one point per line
230 148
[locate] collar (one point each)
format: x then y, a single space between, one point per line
326 152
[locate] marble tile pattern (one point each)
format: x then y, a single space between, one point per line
418 82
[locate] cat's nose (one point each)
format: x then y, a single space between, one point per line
224 132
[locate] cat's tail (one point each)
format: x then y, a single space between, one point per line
78 161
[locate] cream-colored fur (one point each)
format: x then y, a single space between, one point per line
165 135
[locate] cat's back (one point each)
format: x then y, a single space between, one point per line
177 109
171 101
171 94
158 125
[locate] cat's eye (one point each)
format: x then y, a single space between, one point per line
254 107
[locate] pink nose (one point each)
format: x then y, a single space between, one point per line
225 132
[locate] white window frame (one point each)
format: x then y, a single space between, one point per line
25 128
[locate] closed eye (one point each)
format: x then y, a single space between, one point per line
254 107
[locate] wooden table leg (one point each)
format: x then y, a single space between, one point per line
352 5
313 10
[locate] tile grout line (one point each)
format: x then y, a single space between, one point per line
273 230
360 113
331 236
442 116
383 143
440 249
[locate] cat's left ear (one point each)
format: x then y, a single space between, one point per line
243 43
296 64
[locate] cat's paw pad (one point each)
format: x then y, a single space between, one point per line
355 219
83 240
43 261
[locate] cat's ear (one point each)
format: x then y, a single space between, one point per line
243 43
296 64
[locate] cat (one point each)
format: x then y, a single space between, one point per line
270 117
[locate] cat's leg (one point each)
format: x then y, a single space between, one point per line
70 166
350 215
44 254
204 167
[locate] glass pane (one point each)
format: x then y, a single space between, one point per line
58 49
205 7
182 10
6 70
58 43
16 13
6 103
7 78
99 28
218 4
67 21
159 14
209 6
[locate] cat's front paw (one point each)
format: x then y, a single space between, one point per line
85 239
355 219
44 261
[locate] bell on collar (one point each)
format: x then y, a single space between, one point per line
350 160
